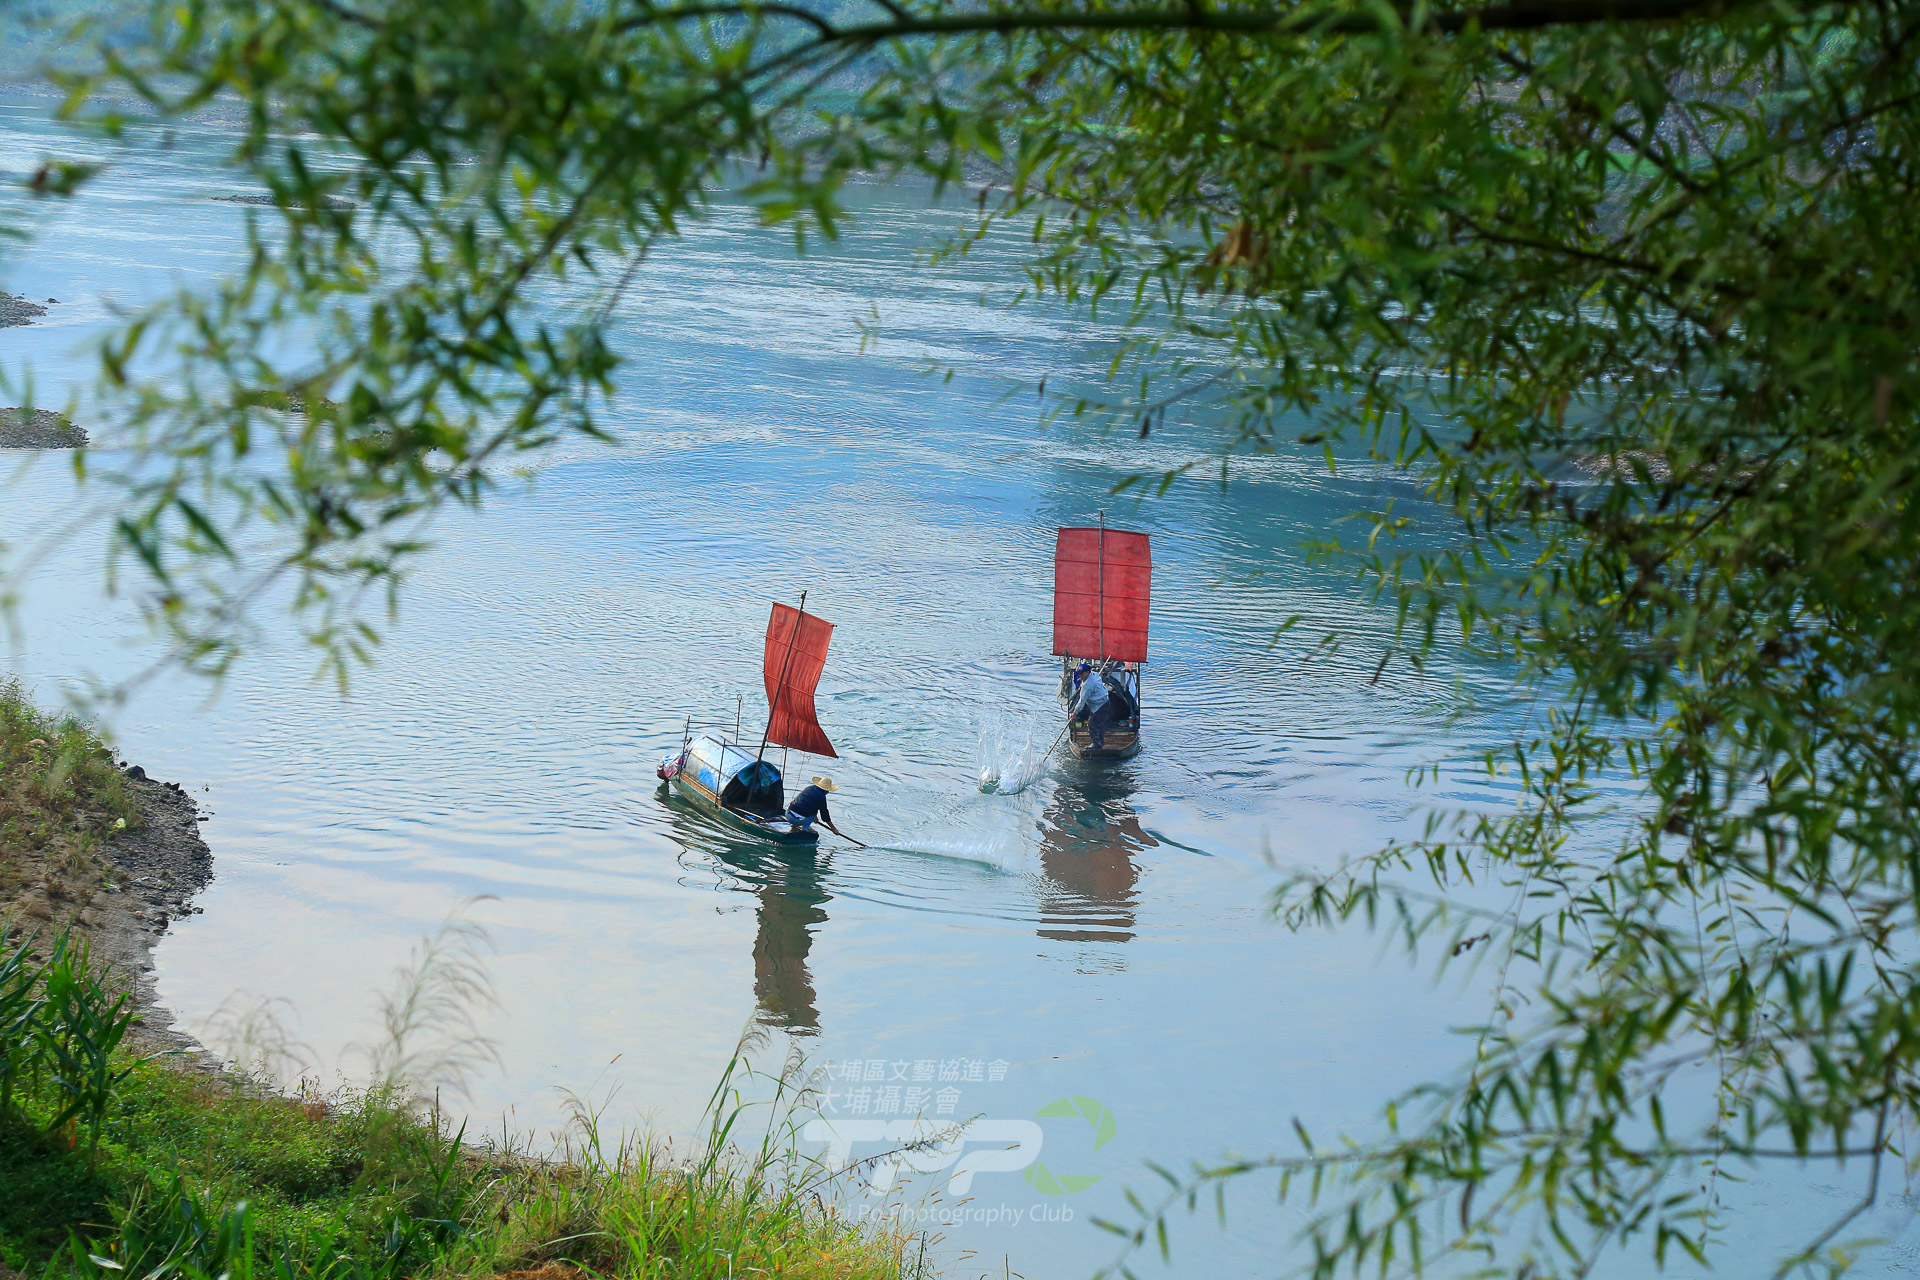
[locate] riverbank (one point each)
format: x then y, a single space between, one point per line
118 1163
96 848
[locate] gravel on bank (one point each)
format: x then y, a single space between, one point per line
331 203
39 429
121 895
159 867
18 311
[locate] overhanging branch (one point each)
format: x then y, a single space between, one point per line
1525 15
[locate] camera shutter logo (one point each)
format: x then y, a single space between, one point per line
1099 1119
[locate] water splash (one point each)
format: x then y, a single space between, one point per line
993 850
1010 762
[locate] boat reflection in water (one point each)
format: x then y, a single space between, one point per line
790 888
1087 890
1089 834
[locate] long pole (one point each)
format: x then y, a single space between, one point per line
773 704
1101 579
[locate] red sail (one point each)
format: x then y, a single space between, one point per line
1102 579
796 655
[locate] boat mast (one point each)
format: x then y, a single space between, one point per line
1101 580
779 688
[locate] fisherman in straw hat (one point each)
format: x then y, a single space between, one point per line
812 803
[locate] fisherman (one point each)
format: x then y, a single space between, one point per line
812 803
1092 704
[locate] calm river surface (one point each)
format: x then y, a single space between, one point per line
1101 934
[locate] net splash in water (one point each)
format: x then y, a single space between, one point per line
1010 762
994 850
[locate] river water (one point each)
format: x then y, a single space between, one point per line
1102 933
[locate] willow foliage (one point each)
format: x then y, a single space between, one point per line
1629 283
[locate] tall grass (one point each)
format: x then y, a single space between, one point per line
430 1036
638 1209
60 798
54 762
63 1027
200 1182
20 1008
191 1177
80 1027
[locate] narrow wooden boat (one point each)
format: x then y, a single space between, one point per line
724 780
1102 588
737 784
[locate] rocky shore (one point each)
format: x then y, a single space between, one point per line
18 311
1621 465
120 894
156 871
331 203
38 429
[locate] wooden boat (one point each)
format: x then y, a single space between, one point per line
737 784
725 781
1102 587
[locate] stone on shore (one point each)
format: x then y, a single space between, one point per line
18 311
38 429
333 204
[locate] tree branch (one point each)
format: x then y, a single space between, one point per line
1524 15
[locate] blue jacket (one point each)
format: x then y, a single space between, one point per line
811 803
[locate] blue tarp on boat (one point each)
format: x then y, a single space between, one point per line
730 772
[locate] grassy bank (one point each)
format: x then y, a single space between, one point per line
204 1178
117 1162
61 798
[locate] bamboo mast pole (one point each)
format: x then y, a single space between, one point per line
779 688
1100 581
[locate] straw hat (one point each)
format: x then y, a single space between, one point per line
825 784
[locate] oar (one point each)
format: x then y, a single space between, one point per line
844 836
